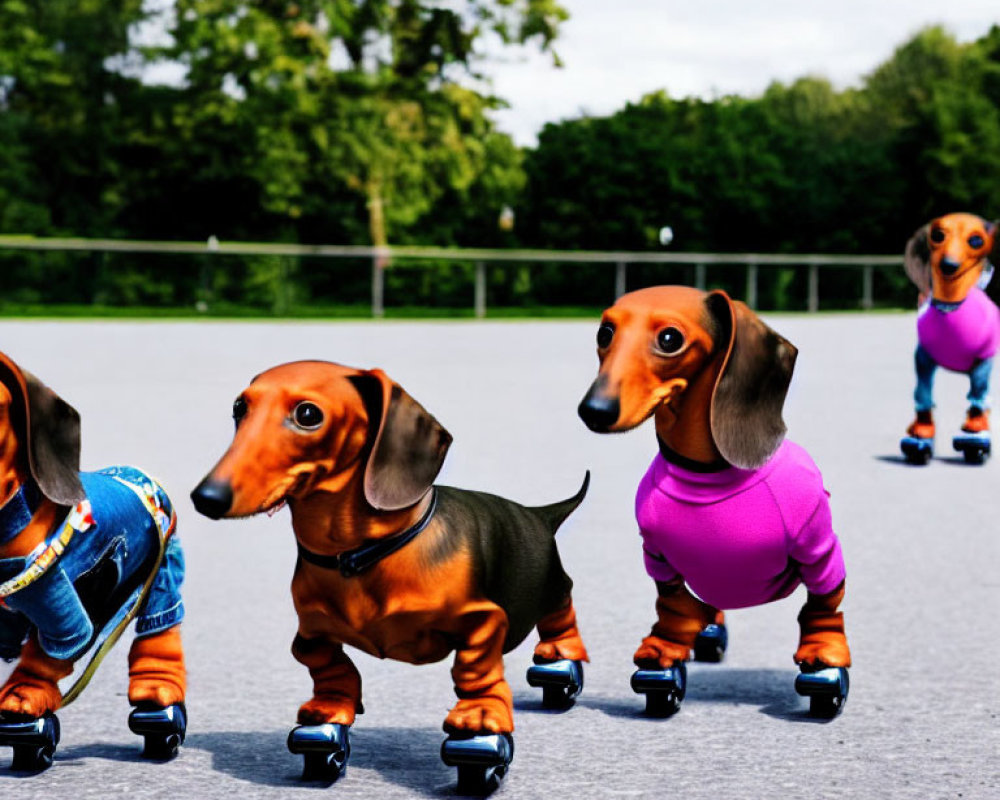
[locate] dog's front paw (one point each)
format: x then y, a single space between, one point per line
320 710
31 699
655 652
488 713
831 653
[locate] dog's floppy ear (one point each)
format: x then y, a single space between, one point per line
49 428
408 445
750 391
917 259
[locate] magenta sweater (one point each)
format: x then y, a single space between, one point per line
959 338
740 537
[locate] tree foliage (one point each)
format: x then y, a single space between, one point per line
369 121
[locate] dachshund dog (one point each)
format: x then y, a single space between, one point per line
81 555
355 458
958 326
727 508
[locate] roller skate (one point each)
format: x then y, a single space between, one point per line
561 681
325 749
710 645
974 440
482 760
162 729
664 688
918 444
826 688
33 740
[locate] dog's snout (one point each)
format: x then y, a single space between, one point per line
213 498
948 266
599 409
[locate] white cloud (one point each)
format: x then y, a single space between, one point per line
615 52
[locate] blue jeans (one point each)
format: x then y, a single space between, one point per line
99 577
979 381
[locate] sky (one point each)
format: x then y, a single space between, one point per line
616 51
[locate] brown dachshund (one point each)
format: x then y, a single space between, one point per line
355 457
81 555
727 507
958 327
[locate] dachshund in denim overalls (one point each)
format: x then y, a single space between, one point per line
82 554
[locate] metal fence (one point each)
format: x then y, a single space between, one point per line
381 258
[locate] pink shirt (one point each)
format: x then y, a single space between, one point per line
740 537
959 338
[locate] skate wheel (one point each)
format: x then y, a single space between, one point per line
482 761
162 729
33 741
32 759
917 451
664 688
561 682
826 689
324 748
710 645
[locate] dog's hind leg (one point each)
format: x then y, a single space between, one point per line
680 617
336 682
485 702
559 636
33 687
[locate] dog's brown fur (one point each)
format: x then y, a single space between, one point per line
475 581
964 241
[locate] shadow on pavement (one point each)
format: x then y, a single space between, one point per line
772 690
955 460
408 757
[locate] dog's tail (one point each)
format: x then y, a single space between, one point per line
555 514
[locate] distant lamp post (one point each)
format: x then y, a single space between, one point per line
505 221
666 235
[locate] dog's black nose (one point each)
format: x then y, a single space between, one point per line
599 410
948 266
212 498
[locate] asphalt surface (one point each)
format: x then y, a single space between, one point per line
921 546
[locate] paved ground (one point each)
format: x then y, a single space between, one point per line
921 545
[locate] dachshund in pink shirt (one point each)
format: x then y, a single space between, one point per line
731 515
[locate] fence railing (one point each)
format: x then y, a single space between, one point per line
382 257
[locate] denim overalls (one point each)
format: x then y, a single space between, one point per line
92 569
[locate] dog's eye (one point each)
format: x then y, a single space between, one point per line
937 235
976 241
605 334
670 340
307 415
239 409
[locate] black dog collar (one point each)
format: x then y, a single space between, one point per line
354 562
690 464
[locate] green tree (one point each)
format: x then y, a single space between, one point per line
365 96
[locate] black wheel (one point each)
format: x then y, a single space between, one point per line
662 704
479 781
825 706
918 456
30 758
974 455
323 767
557 697
162 748
709 653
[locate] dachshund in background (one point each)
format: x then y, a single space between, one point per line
728 507
81 555
958 326
388 562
